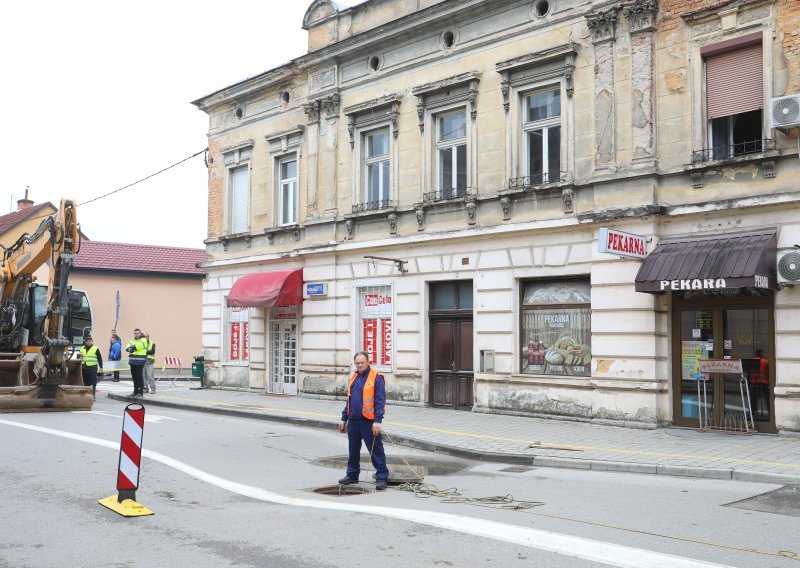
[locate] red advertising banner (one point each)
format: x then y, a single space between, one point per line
370 340
386 339
235 341
245 341
373 300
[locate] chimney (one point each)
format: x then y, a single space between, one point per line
24 203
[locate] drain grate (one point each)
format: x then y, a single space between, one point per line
340 490
517 469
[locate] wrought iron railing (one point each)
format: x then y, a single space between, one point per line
445 194
731 150
373 205
535 181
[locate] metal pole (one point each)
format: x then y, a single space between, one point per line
744 407
699 405
749 405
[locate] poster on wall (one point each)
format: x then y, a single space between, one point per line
236 338
245 341
691 352
558 343
370 338
386 342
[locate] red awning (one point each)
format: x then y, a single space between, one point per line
267 289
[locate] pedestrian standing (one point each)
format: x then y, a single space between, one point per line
137 355
361 418
150 362
115 352
91 361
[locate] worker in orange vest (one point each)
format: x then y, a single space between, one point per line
361 418
762 376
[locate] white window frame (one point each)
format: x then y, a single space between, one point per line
382 315
242 317
452 144
544 125
236 158
291 183
383 161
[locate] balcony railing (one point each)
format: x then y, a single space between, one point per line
535 181
731 150
445 194
373 205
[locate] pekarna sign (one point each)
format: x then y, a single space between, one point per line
612 241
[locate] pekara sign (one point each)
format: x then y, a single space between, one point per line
732 366
612 241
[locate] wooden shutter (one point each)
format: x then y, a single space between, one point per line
734 81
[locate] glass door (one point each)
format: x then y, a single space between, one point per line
723 328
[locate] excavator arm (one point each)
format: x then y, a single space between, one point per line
54 381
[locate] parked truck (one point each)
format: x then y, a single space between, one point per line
41 327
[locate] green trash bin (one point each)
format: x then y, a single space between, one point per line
198 368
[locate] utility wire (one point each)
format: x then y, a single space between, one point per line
203 151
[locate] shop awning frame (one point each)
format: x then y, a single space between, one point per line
736 260
276 288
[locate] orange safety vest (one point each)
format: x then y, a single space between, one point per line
762 376
368 395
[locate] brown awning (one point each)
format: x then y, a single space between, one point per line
267 289
740 260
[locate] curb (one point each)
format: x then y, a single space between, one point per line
535 461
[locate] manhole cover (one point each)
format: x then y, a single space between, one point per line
340 490
782 501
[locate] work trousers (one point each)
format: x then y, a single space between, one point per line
137 374
89 377
149 381
359 430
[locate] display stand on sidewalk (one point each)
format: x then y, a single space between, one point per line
730 422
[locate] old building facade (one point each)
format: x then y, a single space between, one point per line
433 182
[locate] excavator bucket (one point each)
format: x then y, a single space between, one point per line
18 393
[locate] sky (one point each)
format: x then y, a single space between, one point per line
96 94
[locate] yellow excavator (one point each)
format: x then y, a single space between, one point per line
38 367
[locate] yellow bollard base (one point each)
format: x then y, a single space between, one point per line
128 507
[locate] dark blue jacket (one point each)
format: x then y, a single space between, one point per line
357 395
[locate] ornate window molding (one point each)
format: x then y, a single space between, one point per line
238 153
281 142
537 67
447 92
373 113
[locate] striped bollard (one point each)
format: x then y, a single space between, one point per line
130 457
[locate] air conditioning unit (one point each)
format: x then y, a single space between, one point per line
785 111
788 267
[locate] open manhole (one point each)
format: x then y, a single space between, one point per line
340 490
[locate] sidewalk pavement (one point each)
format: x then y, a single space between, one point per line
537 442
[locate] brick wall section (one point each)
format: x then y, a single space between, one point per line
788 28
215 187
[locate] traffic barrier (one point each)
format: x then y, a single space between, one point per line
130 457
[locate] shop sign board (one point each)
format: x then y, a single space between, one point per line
731 366
311 289
612 241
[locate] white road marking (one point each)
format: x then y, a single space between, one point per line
154 418
576 547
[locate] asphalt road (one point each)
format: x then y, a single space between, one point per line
238 492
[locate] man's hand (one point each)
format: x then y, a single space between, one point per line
341 427
376 428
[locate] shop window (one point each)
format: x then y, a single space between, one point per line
375 330
556 328
237 335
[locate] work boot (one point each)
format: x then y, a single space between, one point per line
381 484
347 481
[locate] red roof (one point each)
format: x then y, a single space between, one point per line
98 255
11 220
